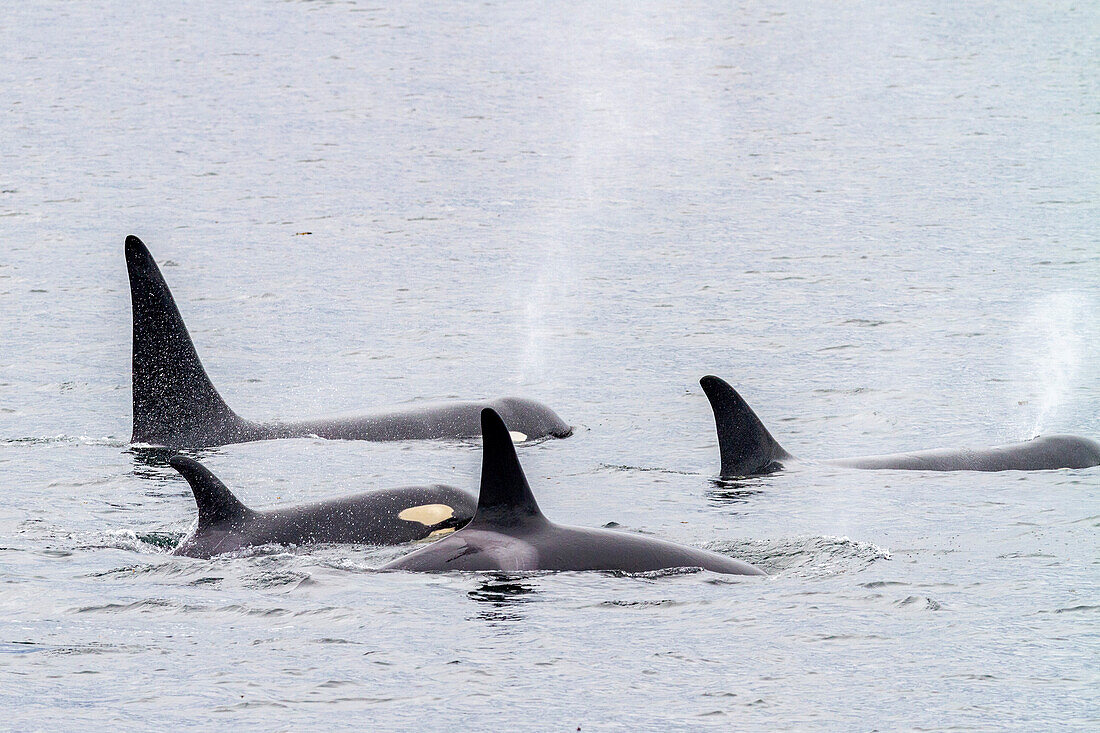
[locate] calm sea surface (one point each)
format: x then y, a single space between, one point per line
878 220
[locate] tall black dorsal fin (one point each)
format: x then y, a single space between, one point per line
746 445
175 404
217 505
505 496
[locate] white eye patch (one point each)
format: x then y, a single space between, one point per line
427 514
517 437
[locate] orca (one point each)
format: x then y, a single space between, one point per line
510 533
177 406
748 449
383 517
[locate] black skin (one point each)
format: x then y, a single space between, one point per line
748 449
225 524
510 533
177 406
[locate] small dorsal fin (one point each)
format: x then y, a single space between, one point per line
217 504
746 445
505 496
175 403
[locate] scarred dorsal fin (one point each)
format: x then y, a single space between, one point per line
175 404
505 496
217 504
746 445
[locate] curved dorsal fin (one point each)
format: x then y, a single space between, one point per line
217 504
175 403
746 445
505 497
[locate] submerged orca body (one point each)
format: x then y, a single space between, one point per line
177 406
508 532
749 449
384 517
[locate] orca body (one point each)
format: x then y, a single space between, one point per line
384 517
508 532
748 448
177 406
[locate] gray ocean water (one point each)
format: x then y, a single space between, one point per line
877 220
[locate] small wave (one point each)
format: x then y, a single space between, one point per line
806 556
655 574
162 540
161 605
501 590
21 647
922 602
641 604
127 539
128 571
735 491
1075 609
280 579
27 647
109 441
643 469
866 322
148 605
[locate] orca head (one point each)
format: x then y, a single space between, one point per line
1070 451
527 419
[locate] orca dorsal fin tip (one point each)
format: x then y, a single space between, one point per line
139 260
505 495
746 445
713 385
216 503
